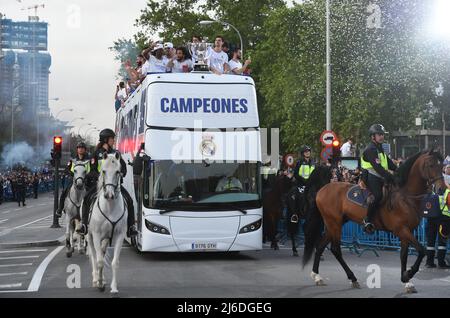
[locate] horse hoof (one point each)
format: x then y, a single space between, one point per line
295 254
101 288
356 285
410 289
317 279
320 283
68 254
82 251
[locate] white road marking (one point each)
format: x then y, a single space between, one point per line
19 257
37 277
11 285
3 221
23 225
17 209
16 265
23 251
13 274
6 212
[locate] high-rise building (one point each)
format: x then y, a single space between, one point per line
24 68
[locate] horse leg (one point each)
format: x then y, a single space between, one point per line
68 238
100 263
319 251
337 252
115 262
93 257
275 233
294 247
406 239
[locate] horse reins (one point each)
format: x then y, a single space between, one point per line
114 224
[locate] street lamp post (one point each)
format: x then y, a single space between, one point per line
79 130
70 133
64 110
12 111
328 65
86 133
208 22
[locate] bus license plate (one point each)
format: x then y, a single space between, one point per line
204 246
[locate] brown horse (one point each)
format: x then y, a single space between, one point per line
273 207
399 214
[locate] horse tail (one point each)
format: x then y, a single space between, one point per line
313 232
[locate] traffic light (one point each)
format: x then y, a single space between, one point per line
336 150
57 147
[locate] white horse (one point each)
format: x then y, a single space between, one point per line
72 206
107 226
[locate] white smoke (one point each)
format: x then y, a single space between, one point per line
20 152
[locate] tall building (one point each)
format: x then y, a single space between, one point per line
24 68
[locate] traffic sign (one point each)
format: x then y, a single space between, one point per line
328 137
327 153
289 160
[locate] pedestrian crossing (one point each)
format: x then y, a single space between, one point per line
17 267
45 223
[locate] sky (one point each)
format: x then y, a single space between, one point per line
83 71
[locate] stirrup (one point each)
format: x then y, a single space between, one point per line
369 228
294 218
132 231
82 230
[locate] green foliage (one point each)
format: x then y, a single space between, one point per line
385 75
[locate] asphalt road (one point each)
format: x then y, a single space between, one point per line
47 272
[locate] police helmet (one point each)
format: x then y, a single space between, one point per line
105 134
81 145
304 149
377 129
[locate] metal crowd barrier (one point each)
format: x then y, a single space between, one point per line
355 239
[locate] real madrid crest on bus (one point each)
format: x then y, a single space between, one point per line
208 147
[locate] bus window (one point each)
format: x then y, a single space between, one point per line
142 111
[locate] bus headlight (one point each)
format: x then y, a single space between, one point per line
156 228
255 226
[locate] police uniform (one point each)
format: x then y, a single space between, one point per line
91 195
303 171
432 231
376 165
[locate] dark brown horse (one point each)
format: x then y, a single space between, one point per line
300 201
273 207
399 214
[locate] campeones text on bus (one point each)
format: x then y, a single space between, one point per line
205 105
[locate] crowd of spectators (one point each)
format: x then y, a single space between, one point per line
160 57
15 185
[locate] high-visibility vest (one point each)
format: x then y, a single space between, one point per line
443 201
305 171
383 161
87 166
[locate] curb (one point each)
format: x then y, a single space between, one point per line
33 244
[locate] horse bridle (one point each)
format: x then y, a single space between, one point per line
432 181
115 186
79 178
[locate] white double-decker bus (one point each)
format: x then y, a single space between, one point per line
199 188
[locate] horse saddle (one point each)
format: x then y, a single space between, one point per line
360 196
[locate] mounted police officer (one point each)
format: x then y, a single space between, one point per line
106 145
305 166
376 165
82 155
432 232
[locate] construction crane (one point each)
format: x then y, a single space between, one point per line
35 7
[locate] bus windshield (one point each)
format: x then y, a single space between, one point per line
197 186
